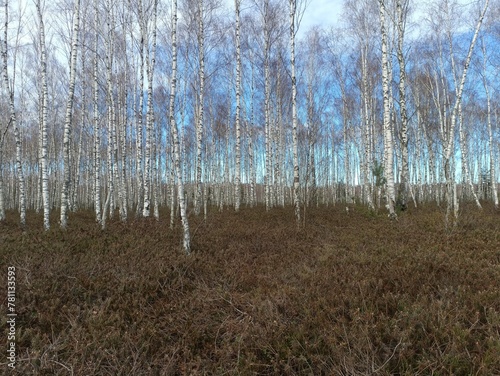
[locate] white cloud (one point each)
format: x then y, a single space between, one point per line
324 13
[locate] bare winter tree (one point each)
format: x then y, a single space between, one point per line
175 135
68 119
43 125
296 182
8 89
388 131
237 191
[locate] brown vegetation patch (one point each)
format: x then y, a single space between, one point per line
347 294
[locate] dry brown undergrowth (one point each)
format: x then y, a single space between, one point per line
349 294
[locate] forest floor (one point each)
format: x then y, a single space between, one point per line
346 294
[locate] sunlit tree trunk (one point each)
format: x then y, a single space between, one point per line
175 137
97 127
150 65
388 139
43 127
68 119
13 119
201 99
237 190
401 12
296 183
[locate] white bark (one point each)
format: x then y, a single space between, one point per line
201 99
401 10
388 139
13 120
296 183
237 191
69 114
150 65
175 137
43 127
97 128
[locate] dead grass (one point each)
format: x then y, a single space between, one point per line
349 294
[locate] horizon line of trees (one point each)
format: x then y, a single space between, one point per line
126 106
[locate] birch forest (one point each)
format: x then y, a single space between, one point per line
225 187
127 107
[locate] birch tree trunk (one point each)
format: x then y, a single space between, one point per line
69 115
388 139
13 119
150 65
97 128
175 137
237 190
401 11
296 200
201 99
43 127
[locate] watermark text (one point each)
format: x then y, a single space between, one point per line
11 317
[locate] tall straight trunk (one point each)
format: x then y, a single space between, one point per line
388 139
201 99
111 112
97 128
296 200
43 126
267 98
139 130
237 190
175 137
401 10
150 65
69 115
13 120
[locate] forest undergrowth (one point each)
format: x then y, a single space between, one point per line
346 294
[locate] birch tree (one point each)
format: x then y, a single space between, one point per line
175 135
296 182
237 190
200 102
8 88
401 13
96 123
150 65
69 114
388 138
43 125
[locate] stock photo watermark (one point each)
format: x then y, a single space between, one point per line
11 317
